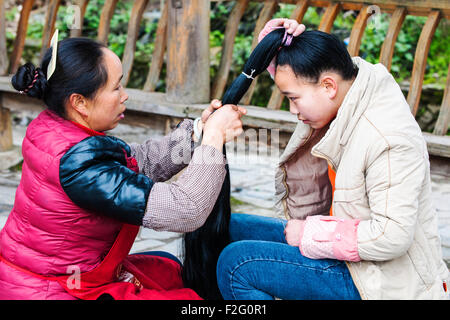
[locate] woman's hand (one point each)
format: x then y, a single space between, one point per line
223 125
292 27
213 106
294 231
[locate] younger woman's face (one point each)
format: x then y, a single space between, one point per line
313 103
107 108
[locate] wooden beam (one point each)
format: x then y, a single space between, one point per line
437 145
276 99
358 30
424 4
326 23
387 50
158 53
420 60
188 51
3 49
19 41
6 141
82 4
105 20
221 78
443 120
414 7
265 15
49 25
132 34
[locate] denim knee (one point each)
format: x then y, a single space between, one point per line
228 259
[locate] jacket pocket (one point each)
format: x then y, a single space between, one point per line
420 262
351 203
350 195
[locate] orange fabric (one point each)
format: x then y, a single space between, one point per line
332 177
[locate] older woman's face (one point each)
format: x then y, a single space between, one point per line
107 108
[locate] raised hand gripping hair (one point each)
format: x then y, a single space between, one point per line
204 245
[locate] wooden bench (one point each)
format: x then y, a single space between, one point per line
182 42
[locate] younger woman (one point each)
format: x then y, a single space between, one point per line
354 182
84 194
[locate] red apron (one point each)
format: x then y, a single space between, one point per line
155 278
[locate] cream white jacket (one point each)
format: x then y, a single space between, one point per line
382 178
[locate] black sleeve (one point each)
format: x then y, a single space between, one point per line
94 175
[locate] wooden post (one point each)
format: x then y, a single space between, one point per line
82 4
188 51
387 50
158 53
443 120
358 30
326 23
19 41
49 25
105 20
231 29
3 52
130 46
5 128
420 60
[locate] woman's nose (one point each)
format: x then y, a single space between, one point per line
124 97
293 109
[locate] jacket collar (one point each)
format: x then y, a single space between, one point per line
88 130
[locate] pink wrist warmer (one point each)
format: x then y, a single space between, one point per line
329 237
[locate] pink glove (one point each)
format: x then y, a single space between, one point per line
325 237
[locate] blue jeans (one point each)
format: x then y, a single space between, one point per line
260 265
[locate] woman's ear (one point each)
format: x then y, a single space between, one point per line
330 85
79 103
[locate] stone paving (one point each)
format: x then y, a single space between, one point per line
252 189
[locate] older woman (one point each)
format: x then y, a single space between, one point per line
83 194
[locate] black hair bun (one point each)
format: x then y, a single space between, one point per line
30 81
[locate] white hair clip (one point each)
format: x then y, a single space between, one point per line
52 64
249 76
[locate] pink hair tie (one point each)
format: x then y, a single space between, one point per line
287 39
32 83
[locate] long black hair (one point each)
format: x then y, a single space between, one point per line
79 69
309 54
203 246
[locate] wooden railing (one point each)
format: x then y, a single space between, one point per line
182 41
